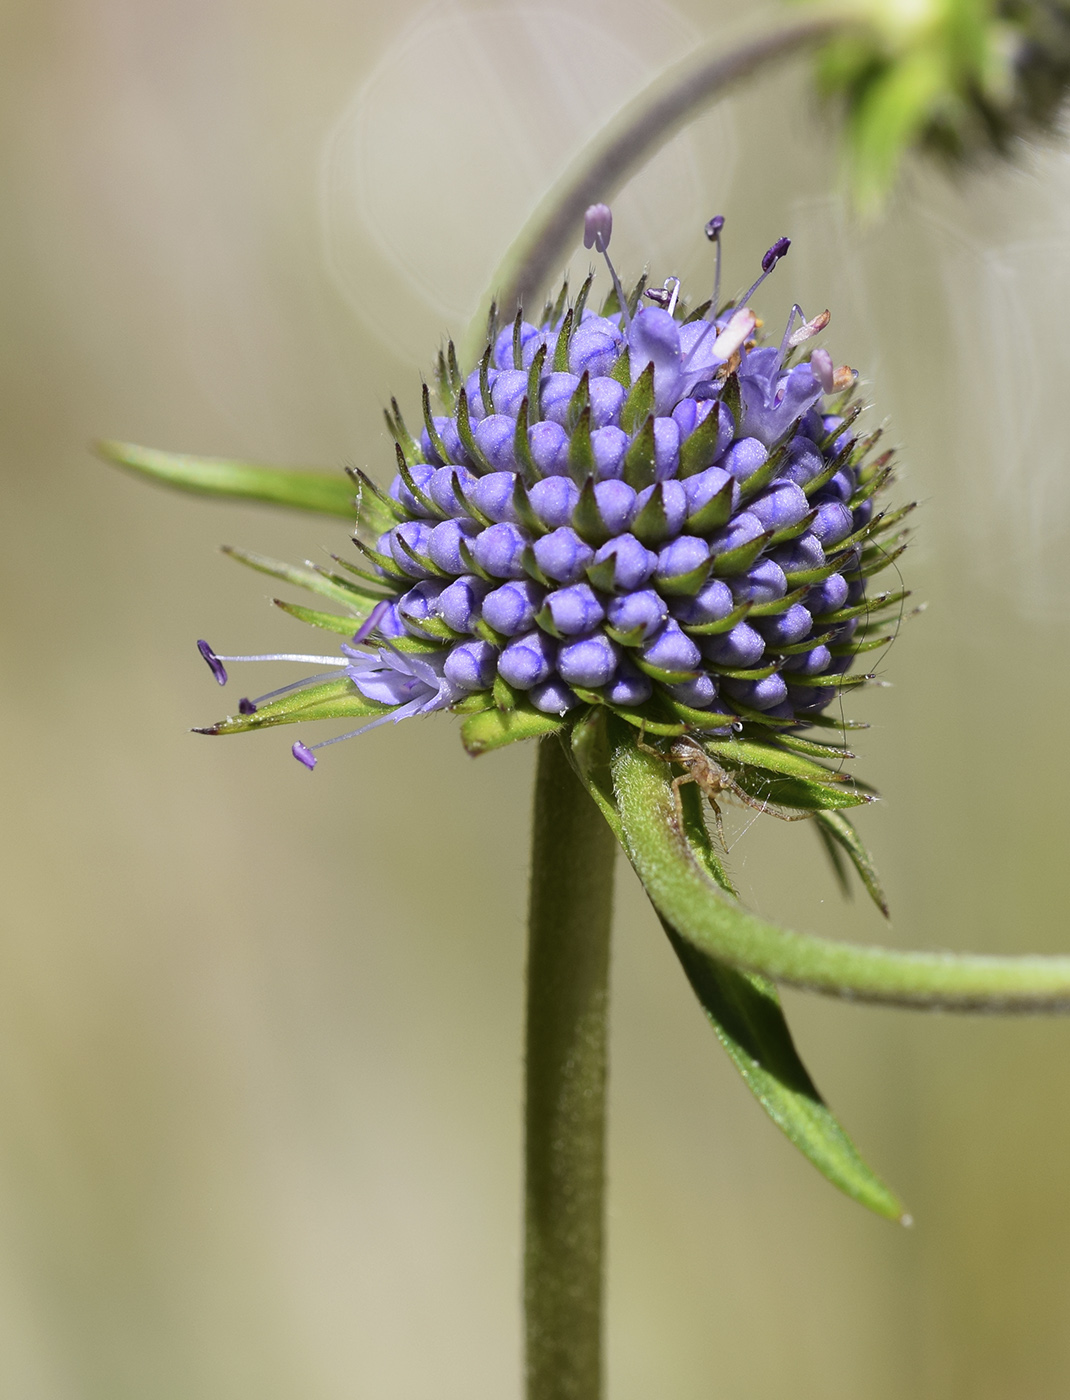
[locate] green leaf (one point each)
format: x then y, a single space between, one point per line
493 729
327 493
834 827
333 699
799 794
743 1008
329 622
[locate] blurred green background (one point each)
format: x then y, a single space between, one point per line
259 1030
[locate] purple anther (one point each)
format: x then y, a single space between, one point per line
562 555
549 448
672 649
500 549
512 607
589 661
575 610
741 647
246 706
714 227
494 435
444 544
632 563
371 622
528 660
606 399
553 500
493 494
304 755
775 253
214 664
597 227
637 615
470 665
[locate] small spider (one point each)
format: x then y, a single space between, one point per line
713 781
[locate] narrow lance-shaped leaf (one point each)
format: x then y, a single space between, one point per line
327 493
745 1011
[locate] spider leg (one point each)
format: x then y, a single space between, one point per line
677 784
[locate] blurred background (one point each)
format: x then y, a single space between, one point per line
260 1030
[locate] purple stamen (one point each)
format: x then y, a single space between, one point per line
785 340
713 233
246 706
769 260
597 227
304 755
214 664
371 622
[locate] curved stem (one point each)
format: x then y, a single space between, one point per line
639 129
568 967
716 926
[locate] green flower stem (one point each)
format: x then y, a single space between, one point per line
638 129
568 966
716 926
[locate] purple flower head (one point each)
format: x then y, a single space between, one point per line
640 508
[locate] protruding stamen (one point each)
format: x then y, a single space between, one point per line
770 258
371 622
304 755
214 664
713 233
785 339
597 227
274 656
246 706
666 296
810 329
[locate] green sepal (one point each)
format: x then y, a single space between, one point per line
622 369
747 673
882 560
799 648
587 518
700 720
887 522
505 697
827 472
732 398
522 447
581 300
581 463
639 459
835 753
639 404
760 479
427 565
473 704
401 435
835 827
716 512
685 585
518 348
746 753
329 622
738 560
634 295
443 388
484 382
856 648
563 337
371 585
471 565
792 532
848 422
651 525
660 673
870 487
326 493
697 449
376 511
348 595
699 313
524 512
410 485
579 403
799 794
476 455
429 423
838 682
868 607
456 378
718 625
807 576
825 722
493 729
434 628
334 699
534 394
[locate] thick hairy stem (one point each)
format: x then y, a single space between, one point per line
634 134
715 925
568 966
